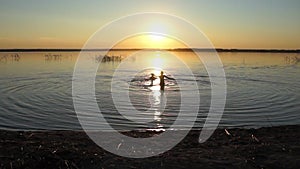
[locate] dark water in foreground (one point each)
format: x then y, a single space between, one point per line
36 90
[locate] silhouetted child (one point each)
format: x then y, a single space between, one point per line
152 78
162 80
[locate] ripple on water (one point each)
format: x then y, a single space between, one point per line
257 96
41 102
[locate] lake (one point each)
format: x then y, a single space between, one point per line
36 89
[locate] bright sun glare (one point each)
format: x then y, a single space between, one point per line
150 41
156 38
156 41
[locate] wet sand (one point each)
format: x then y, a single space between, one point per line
274 147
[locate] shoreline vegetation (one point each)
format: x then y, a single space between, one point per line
267 147
153 49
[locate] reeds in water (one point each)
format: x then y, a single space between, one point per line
108 58
15 57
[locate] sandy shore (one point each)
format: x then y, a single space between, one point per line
275 147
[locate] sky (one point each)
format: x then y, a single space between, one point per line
267 24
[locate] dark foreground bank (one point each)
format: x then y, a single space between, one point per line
276 147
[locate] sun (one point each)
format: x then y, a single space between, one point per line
156 41
156 38
152 41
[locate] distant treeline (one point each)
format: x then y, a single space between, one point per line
176 49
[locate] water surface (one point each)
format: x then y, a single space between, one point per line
36 89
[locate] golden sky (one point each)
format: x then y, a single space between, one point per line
270 24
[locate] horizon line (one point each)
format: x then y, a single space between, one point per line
149 49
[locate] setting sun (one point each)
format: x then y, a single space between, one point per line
154 41
156 38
